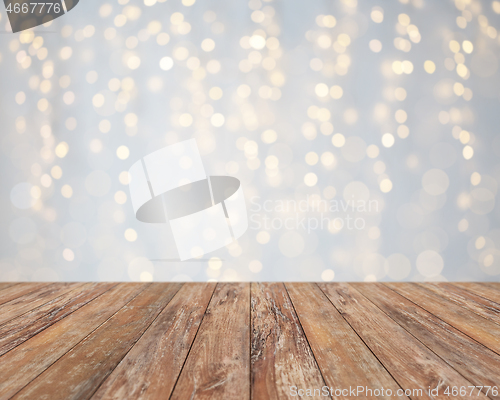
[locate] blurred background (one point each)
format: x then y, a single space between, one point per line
365 135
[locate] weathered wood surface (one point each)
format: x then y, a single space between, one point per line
247 341
151 368
479 364
21 365
15 291
480 289
411 363
79 372
280 355
484 331
470 301
24 327
218 364
343 358
5 285
28 301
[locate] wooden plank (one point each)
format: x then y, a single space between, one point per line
473 325
21 365
480 289
31 300
218 364
343 358
78 374
280 355
5 285
15 291
24 327
477 304
151 368
477 363
411 363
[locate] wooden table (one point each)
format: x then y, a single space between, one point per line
241 340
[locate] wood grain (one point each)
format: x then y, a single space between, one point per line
78 374
24 363
5 285
280 355
473 325
31 300
218 364
480 365
477 304
480 289
24 327
246 341
343 358
15 291
151 368
411 363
